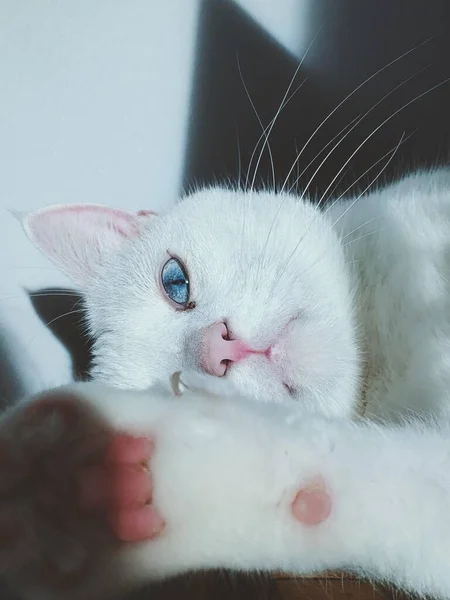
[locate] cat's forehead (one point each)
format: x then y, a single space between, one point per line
219 216
243 238
227 206
239 241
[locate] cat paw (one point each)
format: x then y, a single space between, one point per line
72 491
312 503
121 487
79 493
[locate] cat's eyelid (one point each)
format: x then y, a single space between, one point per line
175 256
189 304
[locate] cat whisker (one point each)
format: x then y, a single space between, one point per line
284 196
81 299
300 175
352 204
266 243
394 149
239 158
367 187
25 296
368 222
351 126
59 293
66 314
366 139
361 85
272 121
364 191
286 264
299 66
384 123
391 116
266 135
324 160
361 237
244 219
298 163
336 185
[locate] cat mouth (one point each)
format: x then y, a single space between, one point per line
292 391
179 387
288 387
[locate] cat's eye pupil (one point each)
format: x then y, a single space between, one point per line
175 282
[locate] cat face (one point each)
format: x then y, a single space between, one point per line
242 293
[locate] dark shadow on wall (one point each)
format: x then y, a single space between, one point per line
62 312
357 39
59 310
12 386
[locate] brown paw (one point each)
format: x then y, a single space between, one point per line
72 490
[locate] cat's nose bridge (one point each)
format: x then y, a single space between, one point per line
219 351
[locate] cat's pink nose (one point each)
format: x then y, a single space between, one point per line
219 350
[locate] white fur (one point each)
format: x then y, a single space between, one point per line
390 489
355 303
225 475
401 273
235 275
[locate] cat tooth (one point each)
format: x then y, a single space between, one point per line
178 387
182 386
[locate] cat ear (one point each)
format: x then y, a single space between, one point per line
78 238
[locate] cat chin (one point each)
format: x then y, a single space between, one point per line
197 382
263 388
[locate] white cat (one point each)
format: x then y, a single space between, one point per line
335 325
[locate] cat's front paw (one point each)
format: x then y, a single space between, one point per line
89 505
72 491
119 486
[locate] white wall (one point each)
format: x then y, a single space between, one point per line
94 99
94 104
287 21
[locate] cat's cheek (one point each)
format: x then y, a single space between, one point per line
312 504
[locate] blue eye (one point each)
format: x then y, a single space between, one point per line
175 282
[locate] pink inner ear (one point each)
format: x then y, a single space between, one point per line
79 237
125 223
146 213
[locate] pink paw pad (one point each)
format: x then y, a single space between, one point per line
312 504
72 490
122 487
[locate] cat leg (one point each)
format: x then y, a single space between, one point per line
72 491
269 487
232 485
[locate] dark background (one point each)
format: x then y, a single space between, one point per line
355 39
